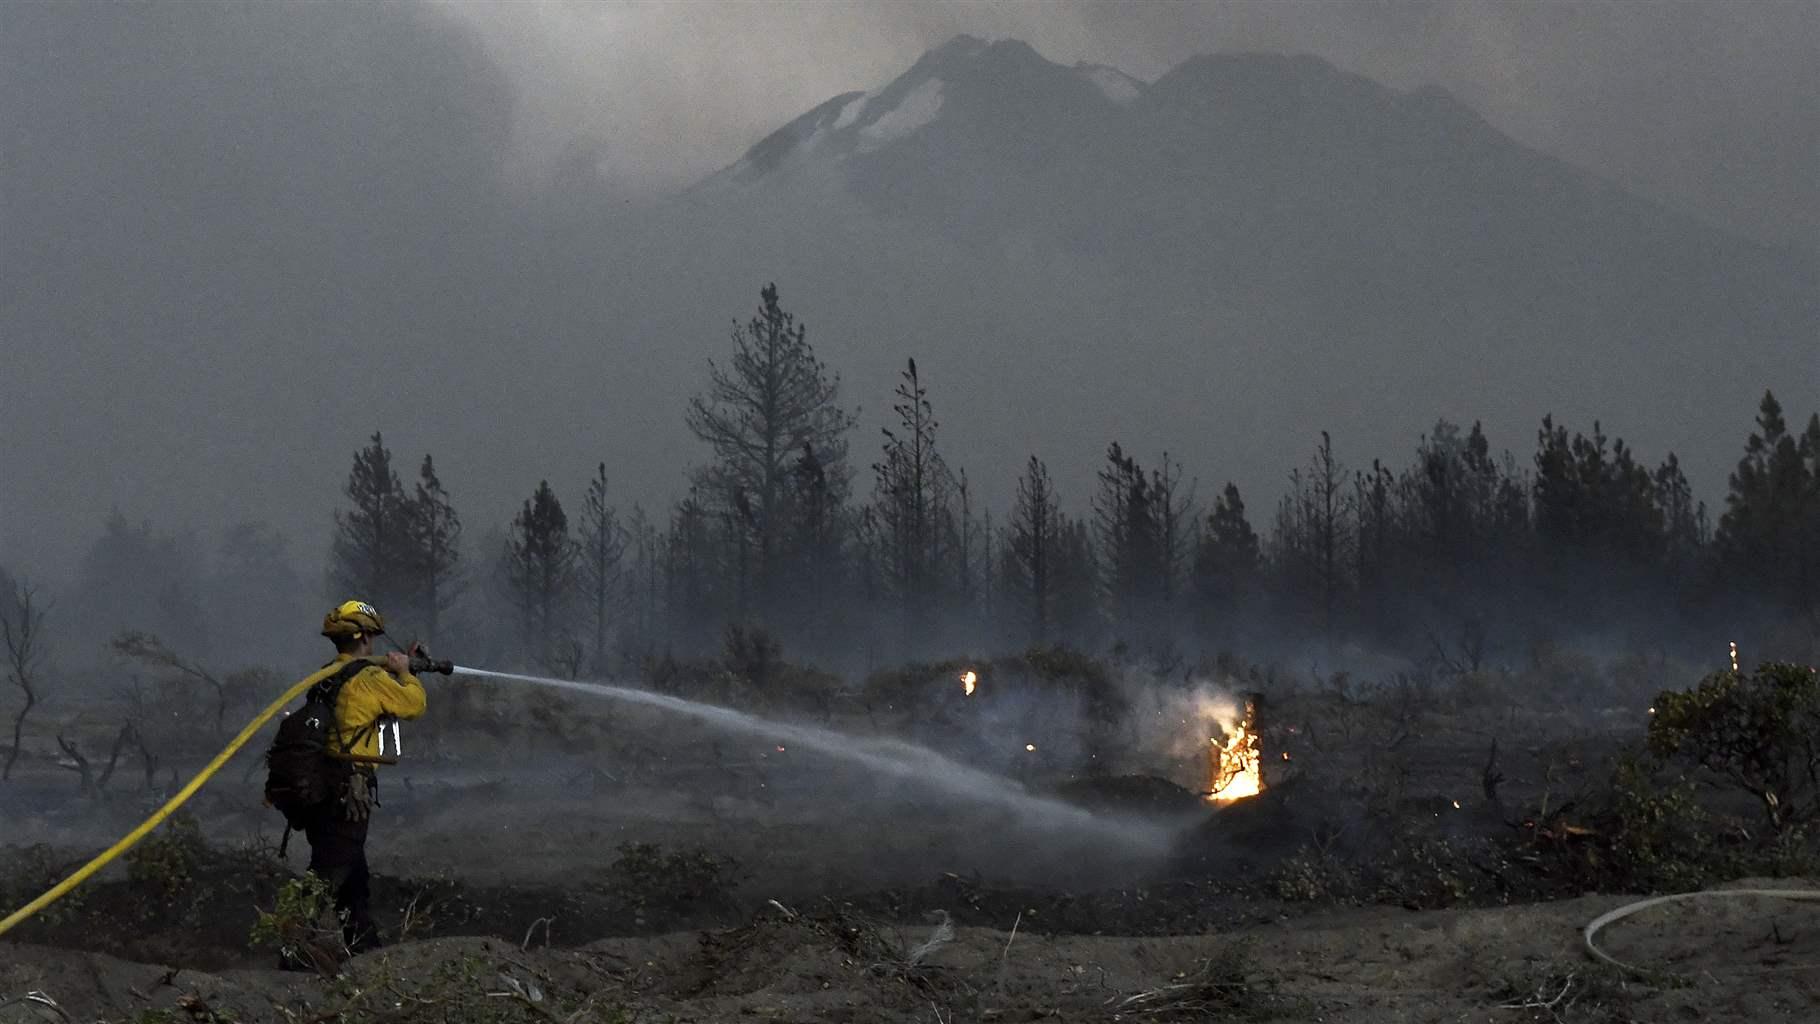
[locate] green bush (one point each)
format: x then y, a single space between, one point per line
1425 873
295 928
1759 731
27 872
167 860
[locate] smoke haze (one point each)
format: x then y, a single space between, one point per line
238 240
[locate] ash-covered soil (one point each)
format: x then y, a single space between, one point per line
1738 960
645 869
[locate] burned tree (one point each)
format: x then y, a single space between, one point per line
22 616
644 591
151 651
691 580
1127 528
435 548
913 505
1315 533
816 540
87 782
1174 509
1030 547
603 547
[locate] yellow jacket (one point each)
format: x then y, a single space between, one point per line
367 696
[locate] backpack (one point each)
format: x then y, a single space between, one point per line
302 774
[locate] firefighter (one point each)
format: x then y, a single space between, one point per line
337 831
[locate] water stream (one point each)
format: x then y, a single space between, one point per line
885 756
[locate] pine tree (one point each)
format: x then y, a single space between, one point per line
963 531
1031 548
1077 574
1593 501
758 413
815 546
1176 521
691 574
541 569
1681 517
603 546
372 553
912 502
1126 524
435 556
1315 533
646 589
1770 531
253 589
1457 510
134 577
1228 558
1380 534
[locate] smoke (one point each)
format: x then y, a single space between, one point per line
885 756
1185 724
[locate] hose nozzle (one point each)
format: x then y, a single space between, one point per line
421 662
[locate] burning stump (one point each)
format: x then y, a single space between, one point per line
1235 761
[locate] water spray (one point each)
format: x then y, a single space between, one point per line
885 756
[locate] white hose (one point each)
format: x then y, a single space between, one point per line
1628 909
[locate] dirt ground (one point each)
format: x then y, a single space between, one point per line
1745 959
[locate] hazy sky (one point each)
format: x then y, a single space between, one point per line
236 239
1711 106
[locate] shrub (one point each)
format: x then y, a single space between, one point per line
651 878
25 874
167 860
295 928
1758 731
1314 876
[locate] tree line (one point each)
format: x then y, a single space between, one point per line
779 531
1458 550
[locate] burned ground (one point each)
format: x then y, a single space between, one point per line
628 866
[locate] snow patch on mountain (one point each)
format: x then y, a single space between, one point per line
849 113
1119 87
918 107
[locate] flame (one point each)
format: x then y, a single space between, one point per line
1734 655
1030 747
1456 805
968 680
1235 766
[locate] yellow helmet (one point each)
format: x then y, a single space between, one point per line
352 618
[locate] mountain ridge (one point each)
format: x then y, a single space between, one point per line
1311 244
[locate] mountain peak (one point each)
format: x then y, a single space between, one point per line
966 54
962 45
1226 78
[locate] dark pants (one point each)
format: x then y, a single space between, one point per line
338 855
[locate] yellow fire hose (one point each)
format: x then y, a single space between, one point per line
182 796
